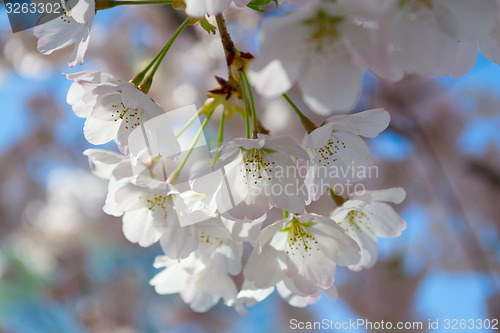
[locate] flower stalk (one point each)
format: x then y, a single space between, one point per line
146 80
308 125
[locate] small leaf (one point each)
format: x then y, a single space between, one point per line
211 29
256 4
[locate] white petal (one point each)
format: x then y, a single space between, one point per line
170 281
385 222
99 132
103 162
277 66
367 123
139 227
178 242
331 82
395 195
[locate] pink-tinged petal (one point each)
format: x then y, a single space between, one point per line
79 51
138 227
300 286
293 299
368 123
56 34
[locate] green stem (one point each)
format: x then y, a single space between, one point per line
174 177
189 122
306 122
220 138
255 124
285 214
247 106
146 84
140 77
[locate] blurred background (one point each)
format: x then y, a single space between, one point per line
66 267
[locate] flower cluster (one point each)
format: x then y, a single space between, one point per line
203 211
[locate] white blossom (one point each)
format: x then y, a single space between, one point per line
147 206
314 47
337 151
366 217
73 27
199 286
112 108
302 251
436 37
254 175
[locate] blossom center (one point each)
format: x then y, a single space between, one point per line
299 240
324 29
214 241
256 166
158 202
329 152
355 218
131 116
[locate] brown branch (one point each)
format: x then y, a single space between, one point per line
229 51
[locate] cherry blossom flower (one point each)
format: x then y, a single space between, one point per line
314 47
302 251
433 37
199 286
112 108
147 206
367 216
253 175
210 240
337 151
73 27
199 8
